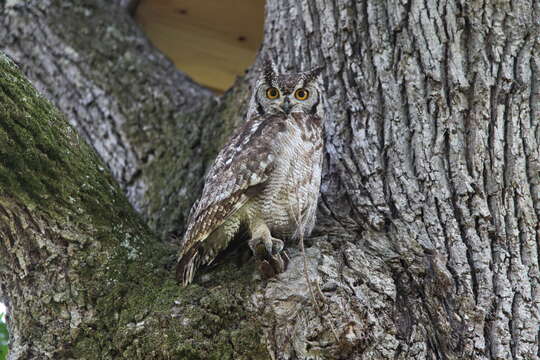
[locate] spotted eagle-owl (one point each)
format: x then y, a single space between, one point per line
265 180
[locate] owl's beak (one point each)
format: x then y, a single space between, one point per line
286 106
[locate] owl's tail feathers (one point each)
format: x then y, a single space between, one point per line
187 265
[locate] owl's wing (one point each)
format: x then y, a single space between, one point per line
243 164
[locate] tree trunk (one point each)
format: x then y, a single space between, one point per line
427 239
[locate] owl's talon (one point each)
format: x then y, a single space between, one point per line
265 248
277 246
269 245
273 260
258 247
286 259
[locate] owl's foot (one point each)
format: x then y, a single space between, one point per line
274 265
269 252
265 246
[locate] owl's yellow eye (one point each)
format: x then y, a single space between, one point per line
272 93
301 94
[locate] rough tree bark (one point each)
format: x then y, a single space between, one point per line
428 232
144 118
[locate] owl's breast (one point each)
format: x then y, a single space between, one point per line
288 201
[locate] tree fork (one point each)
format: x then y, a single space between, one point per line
428 230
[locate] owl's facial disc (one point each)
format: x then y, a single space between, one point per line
287 93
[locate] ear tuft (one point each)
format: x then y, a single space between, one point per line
269 70
313 73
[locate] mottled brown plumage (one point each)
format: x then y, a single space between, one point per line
267 177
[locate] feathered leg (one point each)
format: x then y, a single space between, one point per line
267 250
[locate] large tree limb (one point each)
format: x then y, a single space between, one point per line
82 276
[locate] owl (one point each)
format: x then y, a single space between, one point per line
265 181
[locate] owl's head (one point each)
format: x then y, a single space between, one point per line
287 93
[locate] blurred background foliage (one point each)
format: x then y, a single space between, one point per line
3 338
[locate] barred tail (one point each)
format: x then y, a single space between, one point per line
187 265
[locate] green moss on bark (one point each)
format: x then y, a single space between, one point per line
119 271
197 322
44 162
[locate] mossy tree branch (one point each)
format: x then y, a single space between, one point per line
78 263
